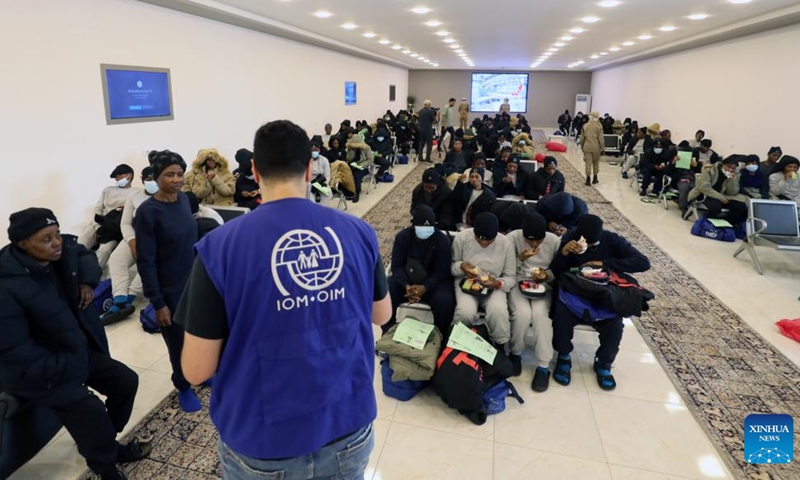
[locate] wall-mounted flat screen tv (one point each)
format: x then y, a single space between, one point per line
136 94
350 94
490 89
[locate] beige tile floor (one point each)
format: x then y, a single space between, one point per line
642 430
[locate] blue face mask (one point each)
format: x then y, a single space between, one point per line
424 233
658 151
380 139
315 154
752 168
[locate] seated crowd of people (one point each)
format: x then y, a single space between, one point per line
476 216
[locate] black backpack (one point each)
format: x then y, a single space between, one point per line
462 379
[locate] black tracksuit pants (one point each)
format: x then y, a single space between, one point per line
91 423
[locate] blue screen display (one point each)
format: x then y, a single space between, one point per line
350 96
137 94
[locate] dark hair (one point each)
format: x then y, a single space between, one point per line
701 132
452 99
281 150
684 144
151 155
147 171
505 149
706 142
163 159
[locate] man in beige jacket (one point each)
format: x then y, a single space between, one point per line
592 144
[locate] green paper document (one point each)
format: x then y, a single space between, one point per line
684 160
356 166
465 340
323 190
720 223
412 333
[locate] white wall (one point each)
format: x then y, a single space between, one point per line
56 148
743 92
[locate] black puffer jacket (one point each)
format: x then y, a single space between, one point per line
45 339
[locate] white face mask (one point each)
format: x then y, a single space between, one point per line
658 151
380 139
752 168
123 182
314 154
522 143
151 187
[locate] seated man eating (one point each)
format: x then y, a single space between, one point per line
589 245
487 258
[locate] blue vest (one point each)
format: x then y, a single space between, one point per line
297 368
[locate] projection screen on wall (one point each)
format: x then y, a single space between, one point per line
490 89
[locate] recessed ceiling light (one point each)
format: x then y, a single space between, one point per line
614 49
667 28
406 51
384 41
579 62
435 65
609 3
460 50
547 54
414 55
421 58
349 26
455 46
570 66
449 40
443 33
369 35
553 50
421 10
559 44
590 19
628 44
595 56
566 38
698 16
603 53
577 30
645 37
433 23
323 14
739 1
396 47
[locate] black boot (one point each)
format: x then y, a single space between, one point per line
133 451
113 475
588 181
516 362
594 180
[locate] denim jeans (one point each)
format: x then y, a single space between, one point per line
343 460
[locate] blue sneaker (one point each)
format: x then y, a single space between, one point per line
131 299
189 401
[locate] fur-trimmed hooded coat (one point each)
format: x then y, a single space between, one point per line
523 151
217 191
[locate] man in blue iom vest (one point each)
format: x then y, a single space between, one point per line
279 305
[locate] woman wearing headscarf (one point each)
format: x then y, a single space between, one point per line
248 193
783 182
210 179
545 181
471 196
166 232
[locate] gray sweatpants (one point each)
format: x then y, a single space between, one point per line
496 308
125 279
536 313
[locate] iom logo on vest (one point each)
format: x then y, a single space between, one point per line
768 438
312 262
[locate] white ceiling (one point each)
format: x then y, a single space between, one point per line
501 34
